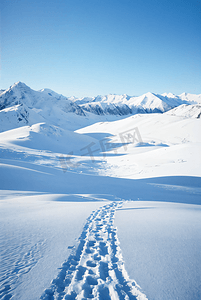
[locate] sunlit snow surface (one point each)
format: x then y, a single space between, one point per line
63 193
161 246
37 232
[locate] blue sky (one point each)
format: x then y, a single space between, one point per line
92 47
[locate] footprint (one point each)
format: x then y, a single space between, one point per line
104 270
91 264
80 272
103 249
91 280
95 268
104 293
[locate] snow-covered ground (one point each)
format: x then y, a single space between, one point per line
37 233
161 243
159 145
101 211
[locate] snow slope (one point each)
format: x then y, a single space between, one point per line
168 145
63 192
188 111
37 234
165 259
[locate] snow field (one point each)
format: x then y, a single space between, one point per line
37 233
161 243
170 145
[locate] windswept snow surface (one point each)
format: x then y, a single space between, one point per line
109 211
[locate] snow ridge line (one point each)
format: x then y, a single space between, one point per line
95 268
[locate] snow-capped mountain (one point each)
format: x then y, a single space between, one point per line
20 93
20 105
125 105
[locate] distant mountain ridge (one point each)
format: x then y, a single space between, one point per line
147 103
20 105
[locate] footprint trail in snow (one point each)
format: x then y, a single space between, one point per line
95 268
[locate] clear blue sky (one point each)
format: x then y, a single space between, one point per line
91 47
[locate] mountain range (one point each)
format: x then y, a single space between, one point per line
20 105
147 103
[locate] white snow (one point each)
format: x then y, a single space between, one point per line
170 145
188 111
191 97
37 232
65 178
148 102
161 246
